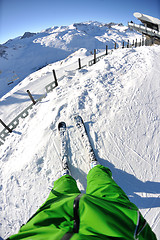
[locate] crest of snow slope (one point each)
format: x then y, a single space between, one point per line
118 99
25 55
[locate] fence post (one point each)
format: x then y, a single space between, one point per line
94 56
128 44
115 45
79 62
136 43
106 50
55 78
133 43
4 125
123 45
31 97
140 44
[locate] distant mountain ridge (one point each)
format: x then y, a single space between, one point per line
30 52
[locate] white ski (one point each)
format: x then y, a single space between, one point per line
64 149
83 133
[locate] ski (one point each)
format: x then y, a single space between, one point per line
64 150
79 124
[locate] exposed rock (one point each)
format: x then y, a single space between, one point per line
28 35
2 51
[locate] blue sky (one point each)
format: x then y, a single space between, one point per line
19 16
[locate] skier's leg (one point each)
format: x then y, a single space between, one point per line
58 207
64 185
101 184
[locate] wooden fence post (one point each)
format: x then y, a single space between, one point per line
136 43
94 56
123 45
79 62
115 45
55 78
106 50
128 44
133 43
4 125
31 97
140 44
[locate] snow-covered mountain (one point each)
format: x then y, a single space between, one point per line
118 98
23 55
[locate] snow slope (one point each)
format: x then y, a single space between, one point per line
118 99
24 55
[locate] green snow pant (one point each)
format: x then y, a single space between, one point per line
104 212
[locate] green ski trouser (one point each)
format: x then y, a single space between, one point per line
99 184
55 218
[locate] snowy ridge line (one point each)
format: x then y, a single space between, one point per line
14 123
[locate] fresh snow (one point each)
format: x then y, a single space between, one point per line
118 98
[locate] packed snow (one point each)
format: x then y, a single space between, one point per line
118 98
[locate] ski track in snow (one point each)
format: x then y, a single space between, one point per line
118 99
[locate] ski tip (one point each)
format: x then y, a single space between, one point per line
61 125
